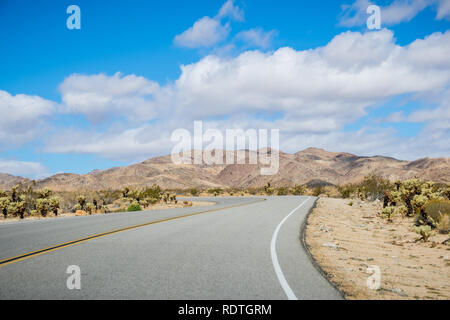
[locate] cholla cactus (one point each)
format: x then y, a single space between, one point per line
90 208
4 203
424 231
408 190
82 202
45 194
54 205
389 213
17 209
42 206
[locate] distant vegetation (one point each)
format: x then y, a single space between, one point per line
426 203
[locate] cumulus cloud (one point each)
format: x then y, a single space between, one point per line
101 97
207 32
22 117
33 170
396 12
314 94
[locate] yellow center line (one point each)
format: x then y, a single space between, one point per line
35 253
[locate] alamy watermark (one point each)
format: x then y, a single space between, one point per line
208 147
74 20
374 20
374 281
74 280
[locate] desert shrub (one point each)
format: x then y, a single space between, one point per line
282 191
346 191
317 191
446 192
153 192
373 187
444 224
134 207
298 190
438 211
215 191
194 192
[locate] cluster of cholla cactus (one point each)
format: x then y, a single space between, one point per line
168 197
147 196
46 203
411 198
18 202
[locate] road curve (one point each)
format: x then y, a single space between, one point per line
241 248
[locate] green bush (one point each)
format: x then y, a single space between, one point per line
439 211
282 191
134 207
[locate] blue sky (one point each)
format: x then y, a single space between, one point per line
54 95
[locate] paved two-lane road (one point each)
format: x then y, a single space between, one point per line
241 248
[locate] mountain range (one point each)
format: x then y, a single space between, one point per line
311 165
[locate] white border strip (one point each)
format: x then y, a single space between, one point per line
287 290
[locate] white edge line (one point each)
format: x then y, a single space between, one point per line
273 253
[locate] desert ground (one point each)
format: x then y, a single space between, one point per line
346 239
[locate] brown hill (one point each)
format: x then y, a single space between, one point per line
7 181
310 165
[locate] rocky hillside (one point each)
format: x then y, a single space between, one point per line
310 165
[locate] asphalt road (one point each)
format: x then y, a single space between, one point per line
241 248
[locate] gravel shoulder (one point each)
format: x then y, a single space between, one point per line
345 240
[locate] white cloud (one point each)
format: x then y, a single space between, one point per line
101 97
205 32
231 11
443 11
22 117
257 37
33 170
314 93
396 12
123 144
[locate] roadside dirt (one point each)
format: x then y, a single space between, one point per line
345 240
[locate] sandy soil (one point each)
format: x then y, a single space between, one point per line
158 206
345 240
